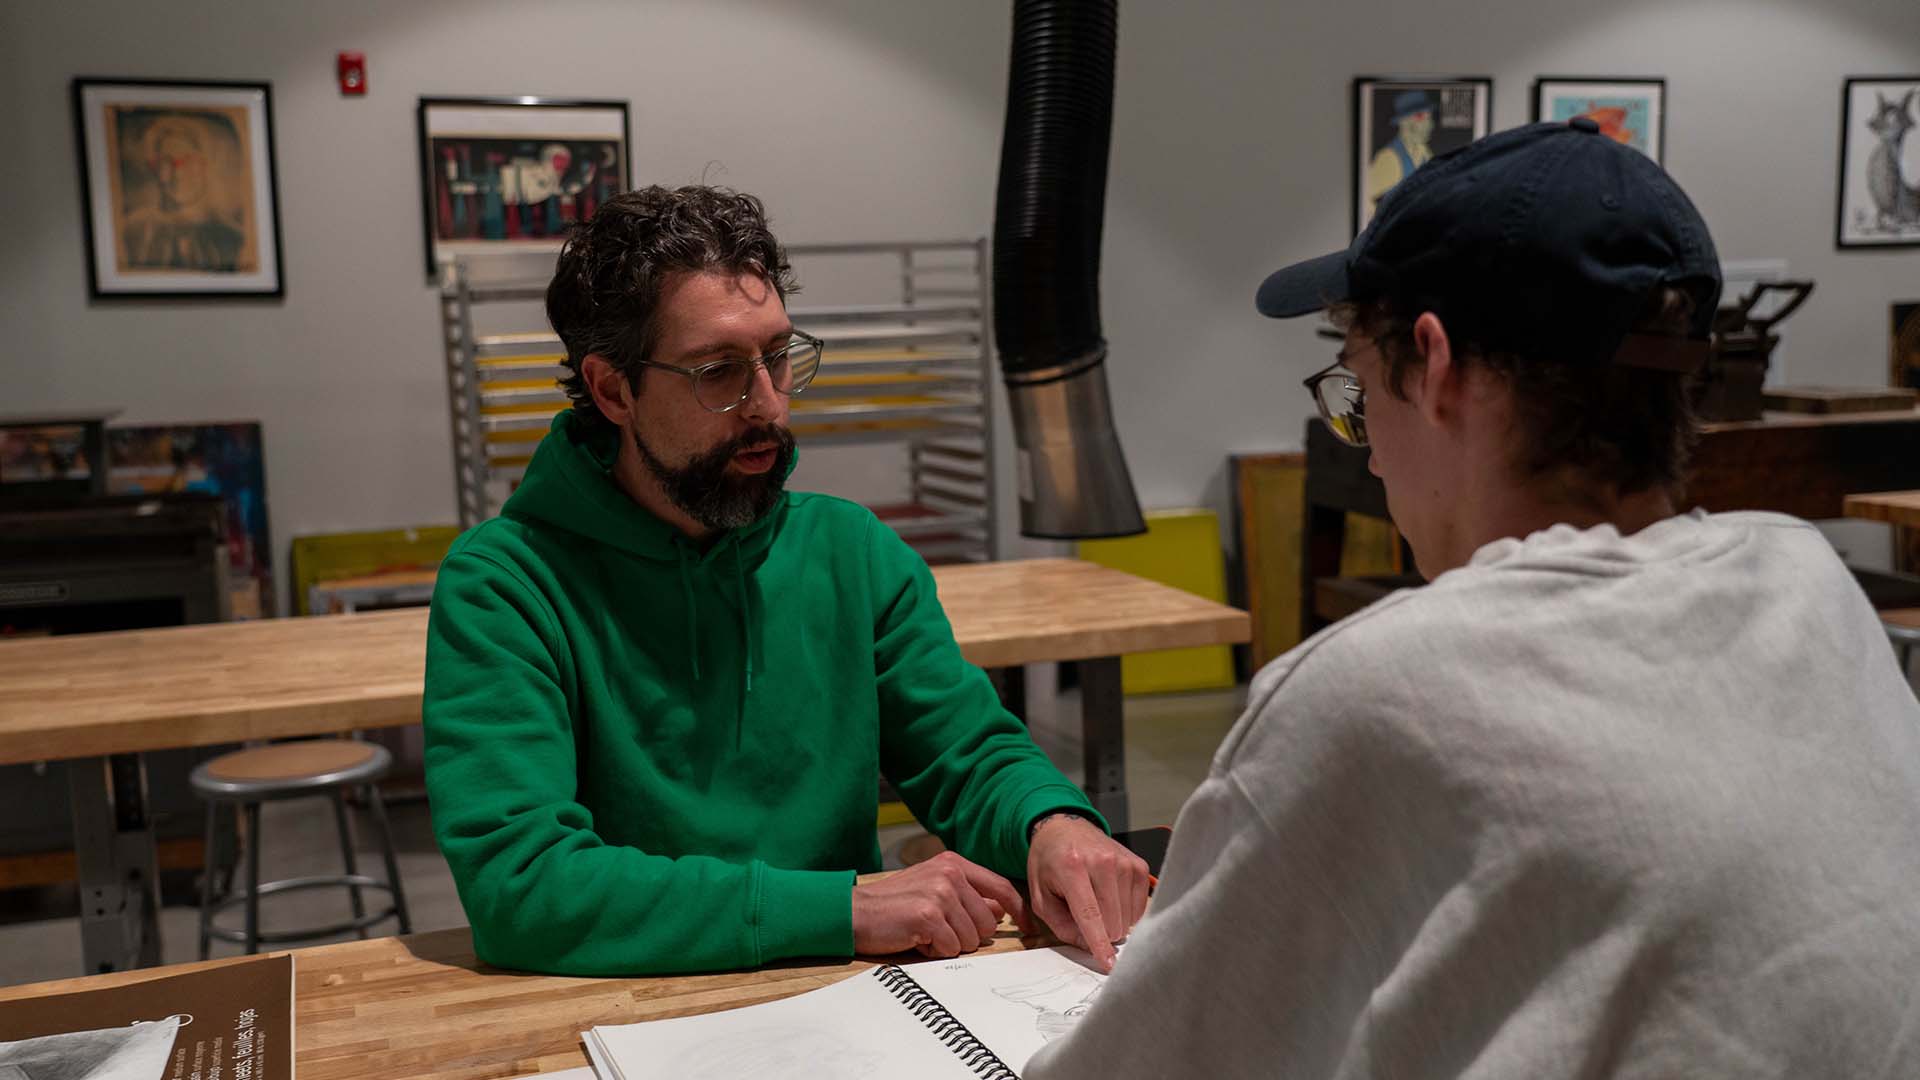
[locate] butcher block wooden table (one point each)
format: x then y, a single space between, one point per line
97 700
422 1006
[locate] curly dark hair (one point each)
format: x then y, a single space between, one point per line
1580 424
606 285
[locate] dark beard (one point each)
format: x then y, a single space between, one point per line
702 490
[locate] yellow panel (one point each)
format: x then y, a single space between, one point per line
522 408
328 556
803 405
878 378
1180 548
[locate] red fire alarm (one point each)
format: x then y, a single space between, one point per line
353 74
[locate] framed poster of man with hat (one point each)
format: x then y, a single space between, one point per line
1401 123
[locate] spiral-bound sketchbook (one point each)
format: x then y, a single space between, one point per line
975 1016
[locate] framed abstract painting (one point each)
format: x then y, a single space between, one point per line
1632 111
512 173
177 188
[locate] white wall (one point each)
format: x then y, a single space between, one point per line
873 119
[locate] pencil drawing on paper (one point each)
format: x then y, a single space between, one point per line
1059 999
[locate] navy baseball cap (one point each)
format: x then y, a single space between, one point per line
1547 239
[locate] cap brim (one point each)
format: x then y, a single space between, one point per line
1304 287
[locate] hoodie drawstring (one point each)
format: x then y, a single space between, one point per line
693 613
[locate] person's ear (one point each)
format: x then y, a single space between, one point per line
612 394
1438 385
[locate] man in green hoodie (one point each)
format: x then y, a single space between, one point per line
659 686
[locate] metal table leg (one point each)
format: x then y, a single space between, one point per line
1104 739
119 870
1011 682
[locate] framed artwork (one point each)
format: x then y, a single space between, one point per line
1630 111
1879 204
177 188
507 174
220 459
53 454
1400 123
1903 346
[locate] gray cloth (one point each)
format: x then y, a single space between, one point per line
1586 807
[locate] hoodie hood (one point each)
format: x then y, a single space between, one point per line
569 485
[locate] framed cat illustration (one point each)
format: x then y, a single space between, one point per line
1879 197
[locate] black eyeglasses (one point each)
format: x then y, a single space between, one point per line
720 386
1341 399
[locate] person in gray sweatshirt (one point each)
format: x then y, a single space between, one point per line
1625 790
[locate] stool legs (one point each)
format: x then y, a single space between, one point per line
253 878
386 849
346 853
251 934
206 878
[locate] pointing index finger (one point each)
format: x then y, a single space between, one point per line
1088 918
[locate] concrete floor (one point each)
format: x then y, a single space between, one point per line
1170 741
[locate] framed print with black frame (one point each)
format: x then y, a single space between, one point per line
177 188
1629 110
1400 122
512 173
1878 204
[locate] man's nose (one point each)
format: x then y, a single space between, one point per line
763 401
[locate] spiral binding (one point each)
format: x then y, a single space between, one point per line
945 1026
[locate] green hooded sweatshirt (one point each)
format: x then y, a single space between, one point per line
645 757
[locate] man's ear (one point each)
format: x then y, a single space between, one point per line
611 392
1438 389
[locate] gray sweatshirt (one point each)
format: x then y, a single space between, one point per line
1585 807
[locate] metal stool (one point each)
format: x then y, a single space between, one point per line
246 778
1903 629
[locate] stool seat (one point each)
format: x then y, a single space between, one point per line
325 767
286 770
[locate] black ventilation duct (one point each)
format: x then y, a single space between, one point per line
1071 473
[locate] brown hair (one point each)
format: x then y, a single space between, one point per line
1580 425
605 293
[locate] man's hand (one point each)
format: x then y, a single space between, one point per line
1087 888
942 907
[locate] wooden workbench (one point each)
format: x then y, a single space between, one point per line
423 1007
116 693
96 699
